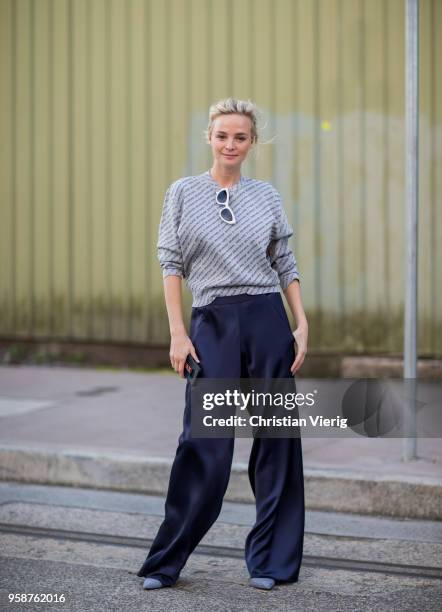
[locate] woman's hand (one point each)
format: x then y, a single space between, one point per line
180 346
301 335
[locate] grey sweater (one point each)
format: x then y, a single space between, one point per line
215 258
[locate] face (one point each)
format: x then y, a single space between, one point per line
231 139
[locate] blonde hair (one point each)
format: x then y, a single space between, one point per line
230 106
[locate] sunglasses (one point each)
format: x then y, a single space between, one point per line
226 213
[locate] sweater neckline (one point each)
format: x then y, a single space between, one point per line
232 189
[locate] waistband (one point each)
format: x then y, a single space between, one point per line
241 297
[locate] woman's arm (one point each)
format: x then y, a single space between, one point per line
180 343
172 296
171 261
293 296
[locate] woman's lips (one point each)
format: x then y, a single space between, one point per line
227 155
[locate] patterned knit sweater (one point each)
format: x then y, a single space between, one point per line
251 256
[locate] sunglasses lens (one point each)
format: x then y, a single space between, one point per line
226 214
222 196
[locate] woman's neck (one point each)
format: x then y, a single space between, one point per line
225 177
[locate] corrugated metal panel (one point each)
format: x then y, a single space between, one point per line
103 104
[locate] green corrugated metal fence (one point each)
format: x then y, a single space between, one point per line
103 103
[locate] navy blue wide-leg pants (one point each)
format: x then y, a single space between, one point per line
242 336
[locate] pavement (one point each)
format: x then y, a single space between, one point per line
83 548
85 457
118 430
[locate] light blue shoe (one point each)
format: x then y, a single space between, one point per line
152 583
262 583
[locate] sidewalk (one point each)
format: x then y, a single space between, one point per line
119 430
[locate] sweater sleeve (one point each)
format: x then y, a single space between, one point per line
280 254
168 246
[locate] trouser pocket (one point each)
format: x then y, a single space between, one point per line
277 306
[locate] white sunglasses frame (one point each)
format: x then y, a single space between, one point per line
225 205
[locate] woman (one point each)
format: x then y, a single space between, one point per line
227 235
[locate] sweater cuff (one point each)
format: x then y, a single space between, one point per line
286 279
172 272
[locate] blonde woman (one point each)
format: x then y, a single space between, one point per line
227 236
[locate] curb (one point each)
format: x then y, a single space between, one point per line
329 490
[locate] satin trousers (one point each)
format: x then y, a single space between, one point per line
246 336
